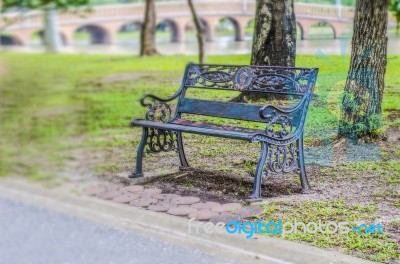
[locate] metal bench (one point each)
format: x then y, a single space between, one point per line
281 140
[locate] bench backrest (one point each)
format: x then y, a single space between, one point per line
296 82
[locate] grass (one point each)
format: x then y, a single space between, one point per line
52 104
49 100
375 247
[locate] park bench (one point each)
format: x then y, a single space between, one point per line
281 140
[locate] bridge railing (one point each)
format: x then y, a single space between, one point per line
246 7
329 11
179 8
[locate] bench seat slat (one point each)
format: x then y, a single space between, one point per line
207 125
239 111
243 135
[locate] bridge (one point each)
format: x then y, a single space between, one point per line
104 22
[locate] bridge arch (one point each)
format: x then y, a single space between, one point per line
225 22
324 32
130 26
129 32
173 27
40 34
300 30
7 39
111 17
98 34
208 30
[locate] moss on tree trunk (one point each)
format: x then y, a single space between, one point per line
361 106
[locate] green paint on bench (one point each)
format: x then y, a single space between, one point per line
220 109
282 139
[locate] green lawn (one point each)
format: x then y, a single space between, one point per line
51 104
47 100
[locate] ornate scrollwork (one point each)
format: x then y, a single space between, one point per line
216 76
282 158
279 125
158 139
161 140
250 79
277 83
243 78
210 76
158 111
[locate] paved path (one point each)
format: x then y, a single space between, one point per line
65 232
33 235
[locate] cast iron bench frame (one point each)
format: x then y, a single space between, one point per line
281 141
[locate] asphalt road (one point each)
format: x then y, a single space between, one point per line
31 234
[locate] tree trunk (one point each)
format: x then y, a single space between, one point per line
362 100
274 40
52 37
200 32
148 34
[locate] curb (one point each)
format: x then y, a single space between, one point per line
170 228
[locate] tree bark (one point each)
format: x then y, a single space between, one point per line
274 40
200 32
361 106
148 33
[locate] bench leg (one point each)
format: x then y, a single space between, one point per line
181 151
300 159
255 195
139 157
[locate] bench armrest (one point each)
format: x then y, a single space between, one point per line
284 124
264 109
158 108
152 98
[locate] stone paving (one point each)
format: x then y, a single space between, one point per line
185 206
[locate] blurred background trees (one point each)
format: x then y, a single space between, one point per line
395 8
200 31
52 38
148 32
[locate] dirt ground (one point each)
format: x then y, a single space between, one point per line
224 174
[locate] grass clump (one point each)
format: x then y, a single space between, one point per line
376 247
